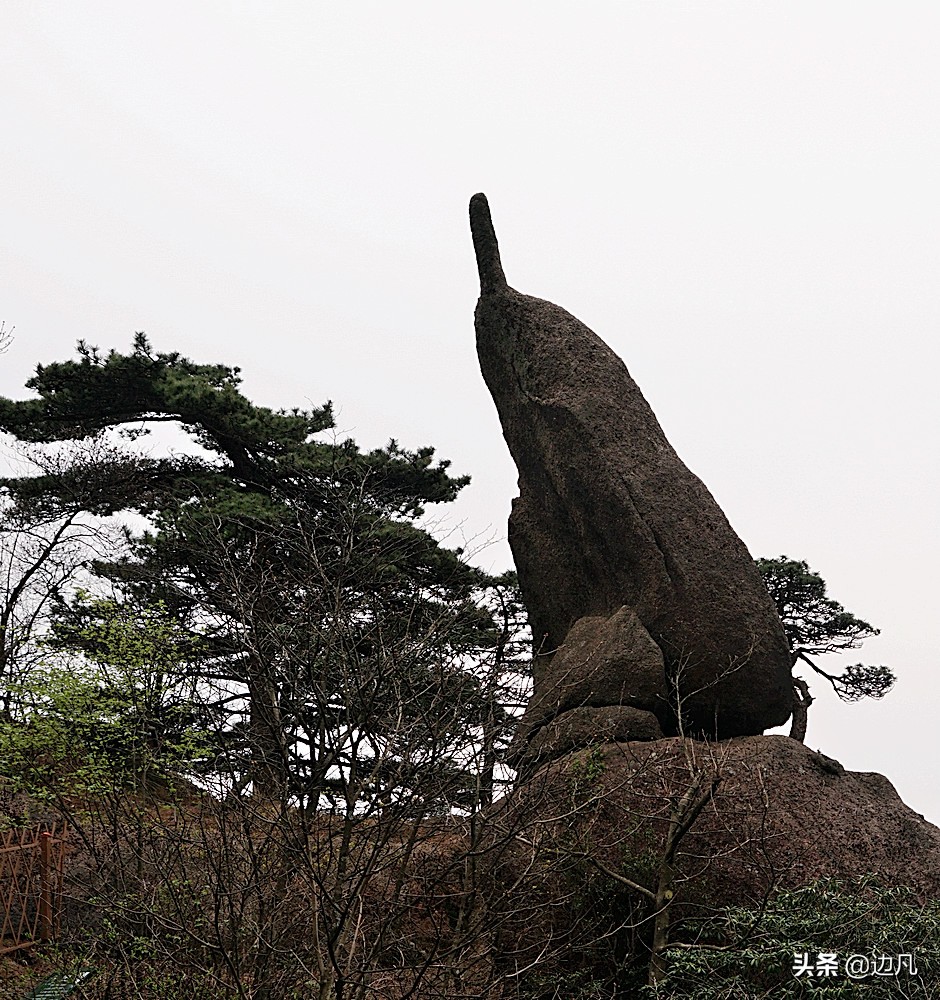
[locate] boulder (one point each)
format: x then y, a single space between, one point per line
577 728
605 663
781 817
609 518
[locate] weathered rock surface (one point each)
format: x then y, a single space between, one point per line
782 817
783 814
577 728
609 518
610 662
537 872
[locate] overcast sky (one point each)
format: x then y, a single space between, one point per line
740 198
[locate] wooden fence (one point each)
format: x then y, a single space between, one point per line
31 862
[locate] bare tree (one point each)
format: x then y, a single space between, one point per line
329 823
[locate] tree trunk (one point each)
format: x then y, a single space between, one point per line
683 815
802 699
268 764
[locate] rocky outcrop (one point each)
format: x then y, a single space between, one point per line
605 665
545 893
638 590
782 815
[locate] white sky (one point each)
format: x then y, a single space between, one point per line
740 197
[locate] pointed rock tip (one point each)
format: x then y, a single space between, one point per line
485 246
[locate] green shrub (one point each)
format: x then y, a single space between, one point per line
750 953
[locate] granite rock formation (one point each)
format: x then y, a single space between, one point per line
782 817
783 812
639 593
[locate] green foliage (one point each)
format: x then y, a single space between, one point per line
80 397
815 624
333 643
122 714
585 771
249 450
812 621
588 766
748 953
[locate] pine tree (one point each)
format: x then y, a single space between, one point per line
320 604
814 625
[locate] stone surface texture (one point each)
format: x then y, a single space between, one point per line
602 662
638 590
578 728
782 817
